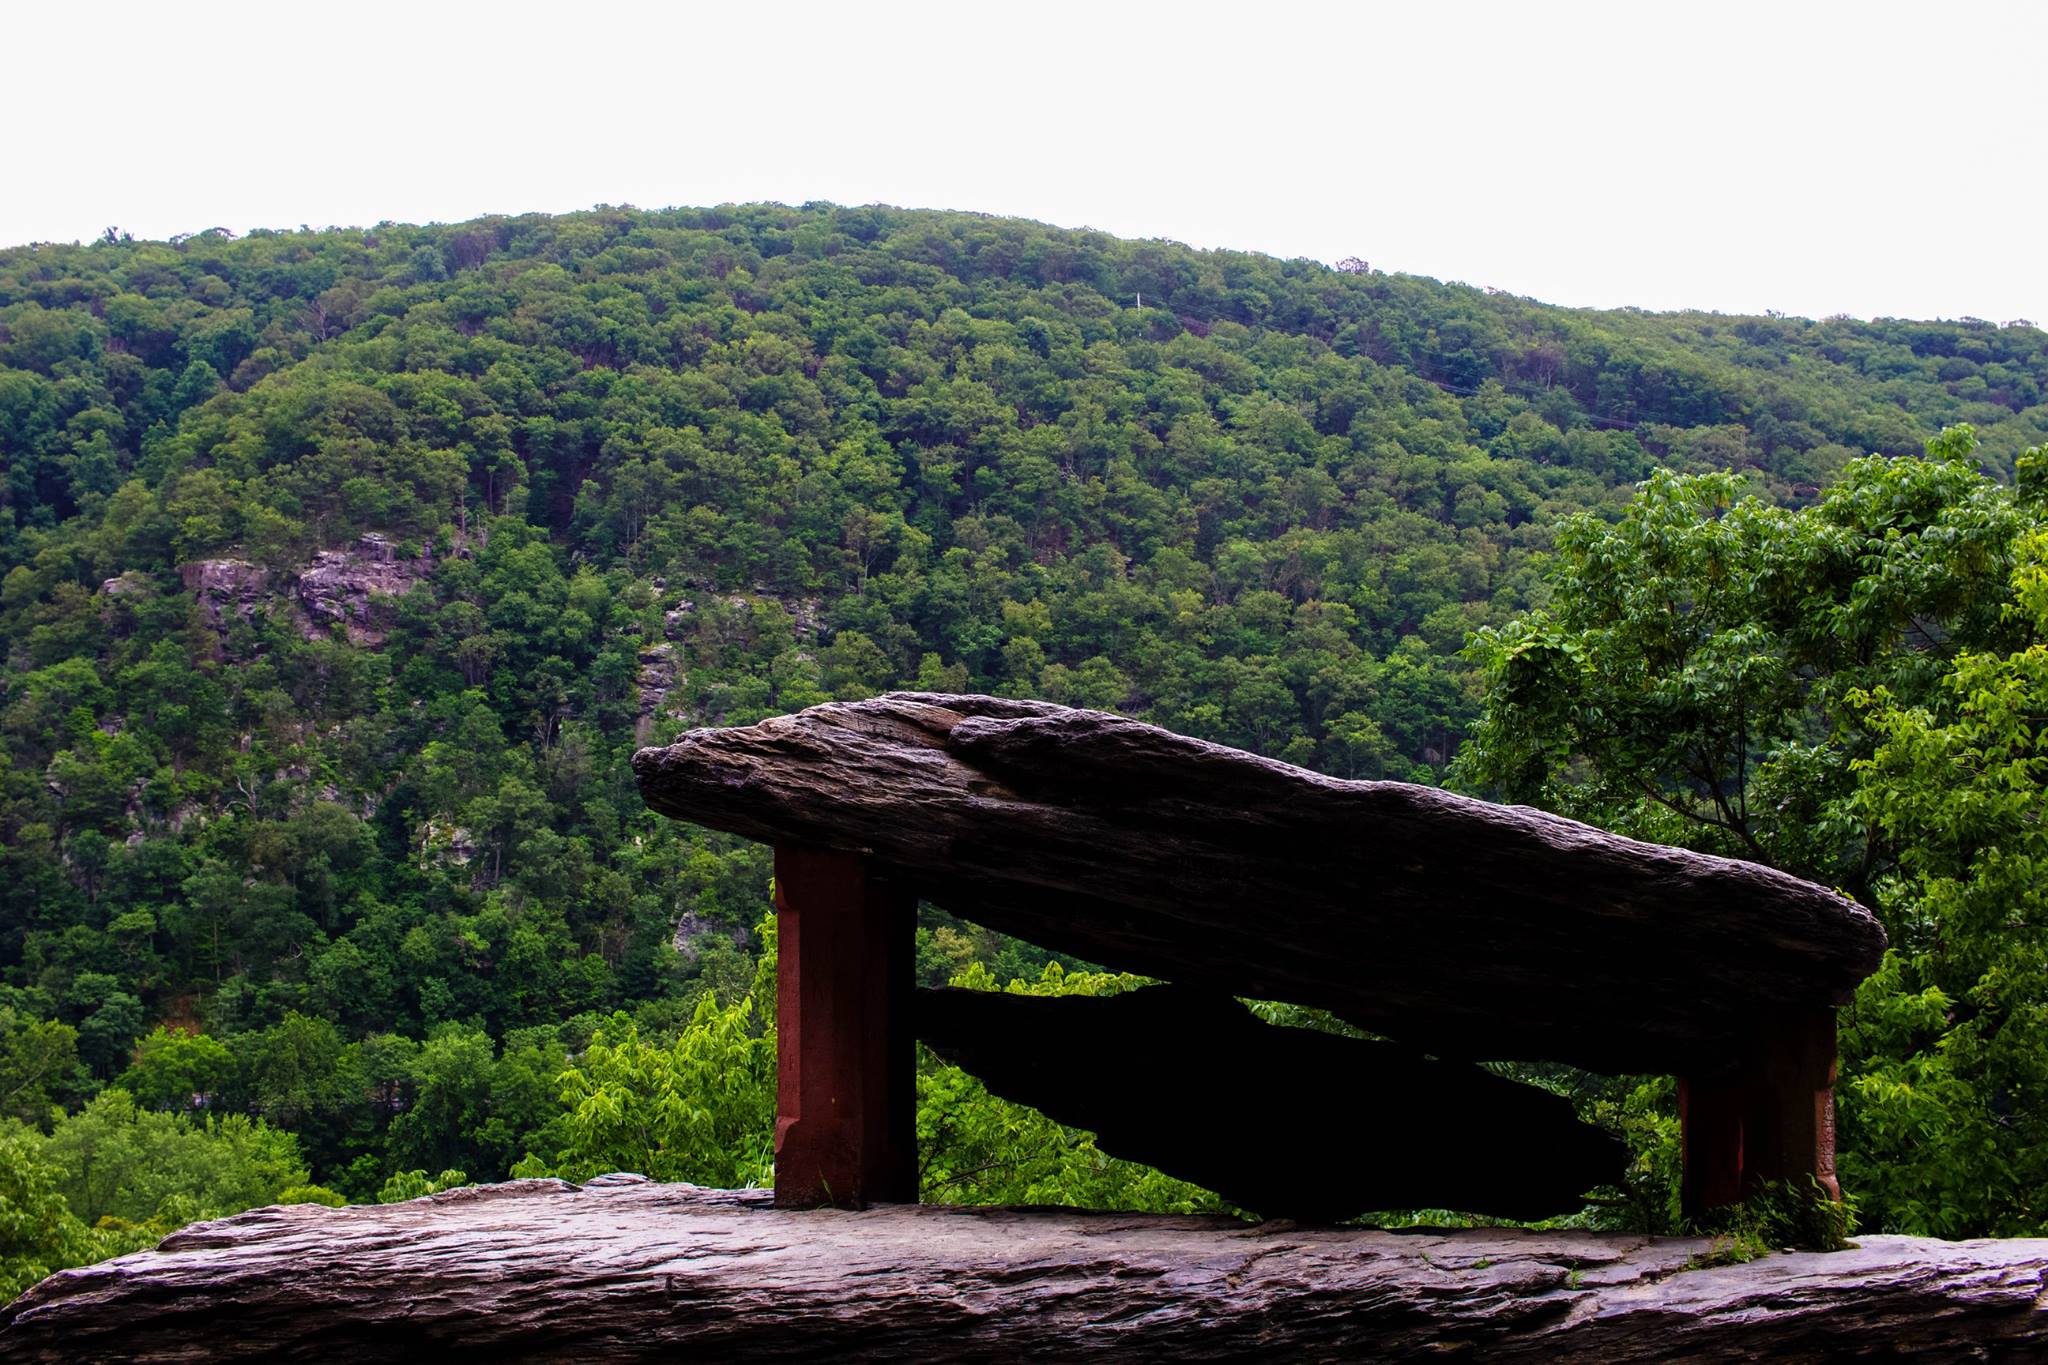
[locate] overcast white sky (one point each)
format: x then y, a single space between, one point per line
1812 158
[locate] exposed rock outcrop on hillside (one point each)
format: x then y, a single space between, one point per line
660 671
348 587
345 587
699 616
625 1270
226 589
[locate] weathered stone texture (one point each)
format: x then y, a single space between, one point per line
351 587
1465 928
622 1270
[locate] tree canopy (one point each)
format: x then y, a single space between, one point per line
1853 691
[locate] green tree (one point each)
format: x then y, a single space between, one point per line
117 1160
1852 692
299 1075
39 1066
417 1184
473 1109
174 1070
701 1109
109 1018
1690 681
1946 1124
38 1232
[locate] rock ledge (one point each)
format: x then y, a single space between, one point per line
622 1269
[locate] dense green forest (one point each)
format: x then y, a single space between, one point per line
341 572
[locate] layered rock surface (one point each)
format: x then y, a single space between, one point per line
1464 928
349 587
346 587
620 1269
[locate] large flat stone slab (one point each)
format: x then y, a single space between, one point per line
621 1269
1466 928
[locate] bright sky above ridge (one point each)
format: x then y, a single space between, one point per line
1870 159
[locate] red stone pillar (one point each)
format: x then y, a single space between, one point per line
1770 1116
846 1085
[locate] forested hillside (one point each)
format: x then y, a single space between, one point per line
343 571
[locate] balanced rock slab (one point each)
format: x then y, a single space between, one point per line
1466 928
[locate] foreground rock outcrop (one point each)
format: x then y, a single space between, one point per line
621 1269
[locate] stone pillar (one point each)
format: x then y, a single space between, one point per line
1768 1116
846 1085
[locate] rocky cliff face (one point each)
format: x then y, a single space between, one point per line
227 589
699 611
349 588
660 672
